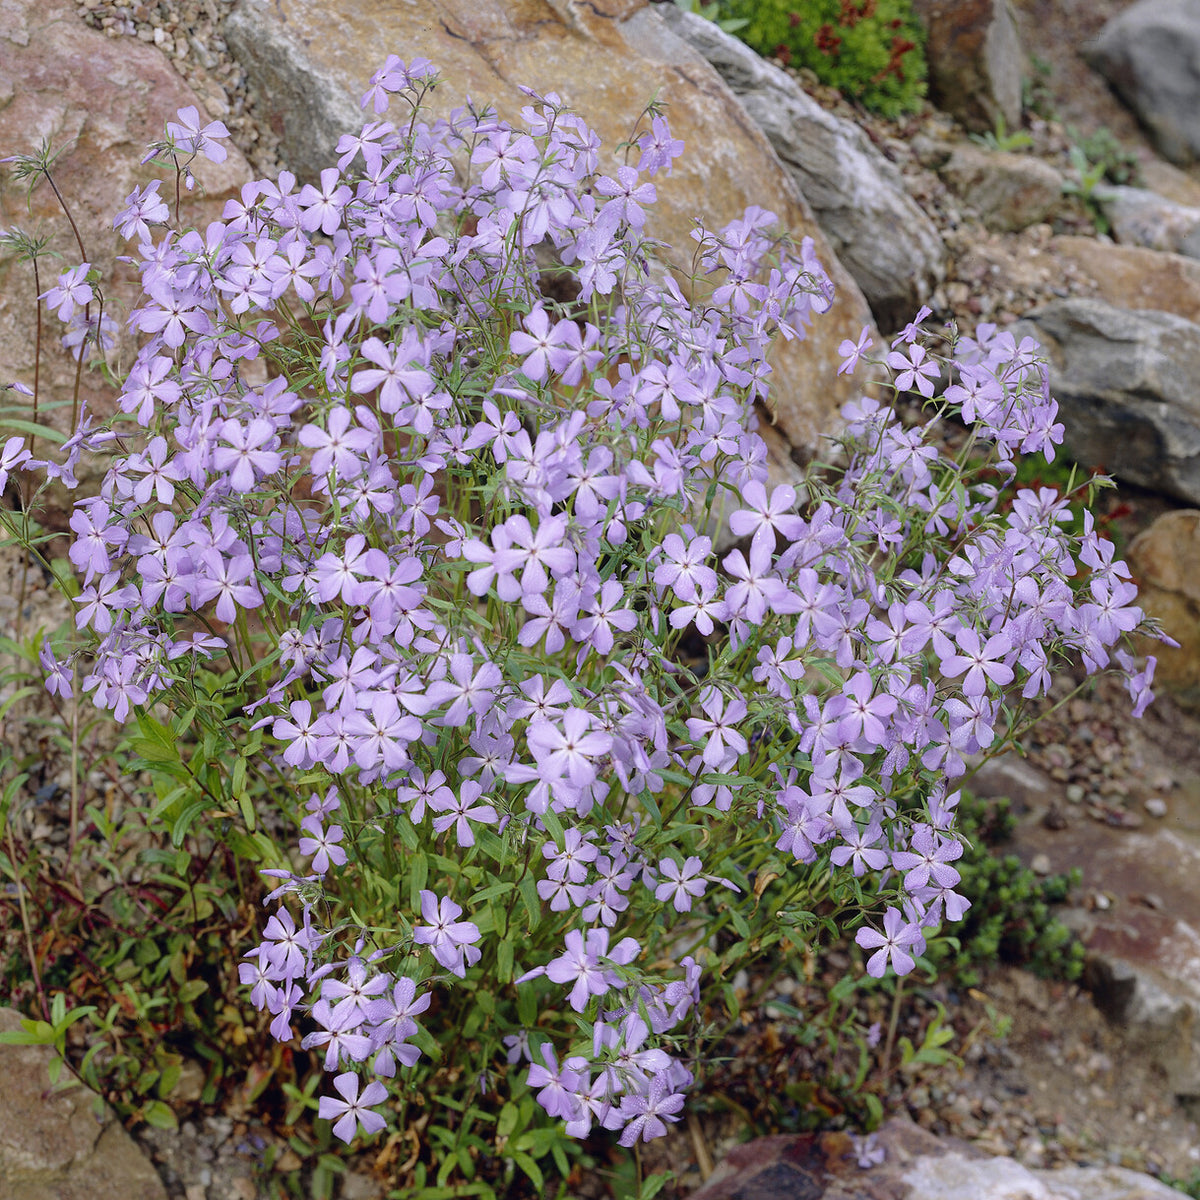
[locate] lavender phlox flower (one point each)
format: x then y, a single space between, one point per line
898 942
1138 683
765 517
341 447
193 138
571 749
257 976
420 791
301 732
322 844
928 858
353 1109
571 862
720 727
282 1003
460 810
912 330
285 948
939 624
143 207
470 690
971 725
776 669
804 821
647 1115
97 602
324 806
452 941
581 964
351 1003
983 662
557 1085
159 473
913 370
861 846
1110 614
684 567
391 1022
866 713
71 291
851 351
680 884
658 147
13 457
59 675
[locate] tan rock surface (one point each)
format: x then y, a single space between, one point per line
52 1146
1166 561
1133 277
311 60
103 100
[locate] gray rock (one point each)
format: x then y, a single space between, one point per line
1151 55
904 1160
881 236
1014 778
52 1144
1008 191
975 60
1143 218
1125 382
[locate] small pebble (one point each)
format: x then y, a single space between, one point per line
1156 806
1075 793
1040 864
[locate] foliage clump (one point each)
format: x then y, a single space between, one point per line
1011 915
871 50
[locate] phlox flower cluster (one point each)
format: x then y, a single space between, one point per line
455 532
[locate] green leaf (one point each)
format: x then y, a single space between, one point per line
531 900
247 807
153 751
527 1006
418 867
192 990
186 820
159 1115
504 961
30 427
506 1124
31 1033
530 1168
655 1184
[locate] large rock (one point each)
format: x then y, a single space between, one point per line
1149 55
882 237
1008 192
101 100
1134 277
1140 217
903 1160
52 1145
1166 560
310 60
1125 382
975 60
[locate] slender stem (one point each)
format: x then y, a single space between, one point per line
893 1021
29 948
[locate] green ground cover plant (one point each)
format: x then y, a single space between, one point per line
871 50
